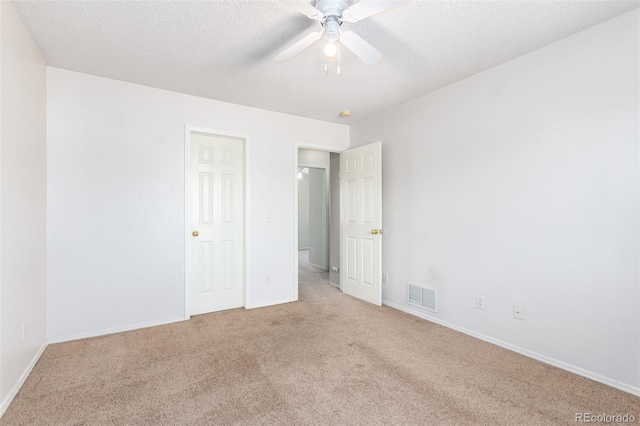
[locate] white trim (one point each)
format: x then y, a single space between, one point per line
115 330
311 166
187 144
16 387
296 238
187 275
317 266
336 285
247 210
305 145
539 357
318 147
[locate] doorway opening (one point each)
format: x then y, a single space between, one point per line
354 186
318 205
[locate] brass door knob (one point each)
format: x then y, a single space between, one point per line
195 233
375 231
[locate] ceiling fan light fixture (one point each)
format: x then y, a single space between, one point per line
331 27
331 49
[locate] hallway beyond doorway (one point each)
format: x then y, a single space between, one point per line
310 274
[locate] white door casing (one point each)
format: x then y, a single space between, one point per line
216 200
361 222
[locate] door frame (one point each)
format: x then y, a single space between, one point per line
318 147
188 129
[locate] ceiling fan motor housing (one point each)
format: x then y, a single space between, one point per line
331 7
332 10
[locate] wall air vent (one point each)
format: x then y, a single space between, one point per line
422 296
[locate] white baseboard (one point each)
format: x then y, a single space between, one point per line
539 357
317 266
336 285
303 248
16 387
114 330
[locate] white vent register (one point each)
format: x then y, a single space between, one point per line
422 296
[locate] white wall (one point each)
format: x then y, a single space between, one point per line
318 214
521 184
313 158
116 200
23 204
303 210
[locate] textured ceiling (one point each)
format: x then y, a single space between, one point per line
224 49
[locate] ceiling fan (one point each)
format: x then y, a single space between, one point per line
331 14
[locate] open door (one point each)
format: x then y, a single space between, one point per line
361 222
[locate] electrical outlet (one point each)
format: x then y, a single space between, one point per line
480 302
385 278
518 312
335 269
268 278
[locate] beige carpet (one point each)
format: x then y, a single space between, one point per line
327 359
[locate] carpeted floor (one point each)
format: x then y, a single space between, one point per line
327 359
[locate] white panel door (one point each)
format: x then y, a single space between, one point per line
216 189
361 222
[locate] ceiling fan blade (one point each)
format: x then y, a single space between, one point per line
298 47
362 49
366 8
305 8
